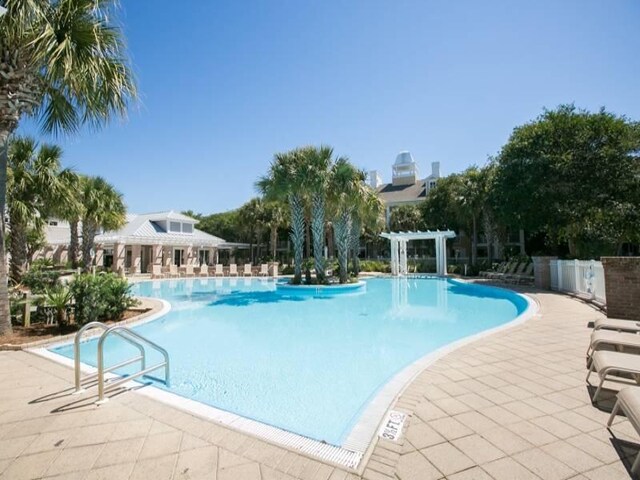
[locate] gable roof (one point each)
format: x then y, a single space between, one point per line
390 193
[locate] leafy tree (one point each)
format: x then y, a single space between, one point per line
368 215
224 224
275 218
104 209
62 62
406 218
36 182
285 181
573 175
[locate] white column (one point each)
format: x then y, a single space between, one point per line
438 256
403 257
443 251
394 256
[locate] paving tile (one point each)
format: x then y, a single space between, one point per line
428 411
447 458
414 466
196 463
602 451
452 406
475 473
421 435
30 466
572 456
533 433
508 469
506 440
478 449
72 459
111 472
476 421
249 471
450 428
161 444
615 471
157 468
555 426
500 415
120 451
544 465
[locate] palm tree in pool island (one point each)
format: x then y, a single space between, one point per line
64 63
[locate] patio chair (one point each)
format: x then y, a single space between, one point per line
501 268
274 270
525 273
630 326
219 271
616 364
511 268
615 341
246 271
628 400
156 271
233 270
204 270
264 270
188 270
173 270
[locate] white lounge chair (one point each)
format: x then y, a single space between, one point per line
188 270
204 270
219 271
618 325
233 270
246 271
628 400
616 341
156 271
173 270
607 364
274 270
264 270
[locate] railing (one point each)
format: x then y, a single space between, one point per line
128 336
583 277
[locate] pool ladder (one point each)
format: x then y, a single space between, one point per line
128 336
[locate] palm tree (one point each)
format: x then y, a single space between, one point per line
368 213
285 181
72 211
35 185
275 218
64 63
104 209
472 198
316 164
346 181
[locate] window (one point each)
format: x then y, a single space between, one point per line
174 226
53 223
178 256
203 256
432 184
187 228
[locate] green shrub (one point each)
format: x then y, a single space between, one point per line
375 266
100 297
39 280
287 270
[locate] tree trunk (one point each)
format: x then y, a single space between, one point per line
274 241
297 235
307 239
474 242
18 250
342 229
88 236
5 316
355 246
74 243
317 228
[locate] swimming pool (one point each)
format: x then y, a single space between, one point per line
308 364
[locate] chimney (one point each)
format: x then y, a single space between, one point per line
374 179
435 169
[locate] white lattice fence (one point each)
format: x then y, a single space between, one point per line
584 277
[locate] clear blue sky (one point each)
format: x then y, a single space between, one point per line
224 85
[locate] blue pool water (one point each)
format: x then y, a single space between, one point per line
308 364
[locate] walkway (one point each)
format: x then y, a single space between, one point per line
511 406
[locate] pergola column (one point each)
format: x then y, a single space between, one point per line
156 254
118 257
99 260
136 258
168 255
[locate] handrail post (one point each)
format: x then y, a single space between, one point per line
101 398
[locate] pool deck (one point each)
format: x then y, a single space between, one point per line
512 405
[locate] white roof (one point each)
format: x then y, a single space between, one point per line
404 158
419 235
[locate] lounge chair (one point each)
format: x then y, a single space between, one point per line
173 271
524 274
628 400
188 270
630 326
219 271
505 277
204 270
156 271
246 271
264 270
510 270
616 341
607 364
233 270
501 268
274 270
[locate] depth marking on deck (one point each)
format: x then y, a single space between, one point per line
392 426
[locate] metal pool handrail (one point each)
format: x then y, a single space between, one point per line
76 353
137 338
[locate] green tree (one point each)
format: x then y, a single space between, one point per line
64 63
36 182
72 210
406 218
275 219
367 215
572 175
285 181
104 209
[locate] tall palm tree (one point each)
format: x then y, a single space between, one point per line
368 214
72 211
285 181
35 185
104 209
472 197
346 181
316 164
275 218
63 62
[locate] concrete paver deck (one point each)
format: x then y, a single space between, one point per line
510 405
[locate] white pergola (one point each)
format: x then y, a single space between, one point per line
399 241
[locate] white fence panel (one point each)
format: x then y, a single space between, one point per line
583 277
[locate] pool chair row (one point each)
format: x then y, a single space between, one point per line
219 270
511 272
614 354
